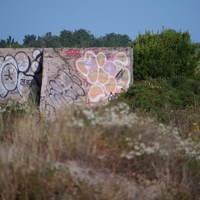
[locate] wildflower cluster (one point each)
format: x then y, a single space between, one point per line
118 115
157 138
166 141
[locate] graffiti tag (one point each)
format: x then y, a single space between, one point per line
72 52
104 73
64 88
17 72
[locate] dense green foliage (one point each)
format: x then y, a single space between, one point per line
9 43
78 38
164 54
166 98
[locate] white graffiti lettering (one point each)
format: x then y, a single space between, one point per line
18 73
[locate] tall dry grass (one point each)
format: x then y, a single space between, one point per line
100 153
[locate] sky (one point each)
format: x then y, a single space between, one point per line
100 17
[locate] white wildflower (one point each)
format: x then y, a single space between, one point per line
138 153
156 146
127 139
130 144
149 150
89 114
129 156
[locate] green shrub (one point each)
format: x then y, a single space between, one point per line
164 54
162 97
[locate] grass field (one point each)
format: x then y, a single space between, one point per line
109 152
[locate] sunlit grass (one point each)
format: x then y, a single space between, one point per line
94 153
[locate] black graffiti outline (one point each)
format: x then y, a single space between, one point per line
8 75
54 98
29 61
62 91
29 83
26 73
6 79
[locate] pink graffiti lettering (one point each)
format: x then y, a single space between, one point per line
72 52
105 75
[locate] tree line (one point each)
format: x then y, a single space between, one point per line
78 38
162 54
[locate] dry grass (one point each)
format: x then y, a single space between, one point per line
101 153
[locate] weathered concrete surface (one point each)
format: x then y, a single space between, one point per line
65 76
20 73
84 76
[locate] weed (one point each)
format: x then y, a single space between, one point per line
105 153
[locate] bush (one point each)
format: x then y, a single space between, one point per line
164 97
164 54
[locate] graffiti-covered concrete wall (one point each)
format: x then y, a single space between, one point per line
20 73
84 76
65 76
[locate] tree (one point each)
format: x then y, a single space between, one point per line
30 41
48 41
56 41
198 47
9 43
2 44
66 38
114 40
164 54
83 38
